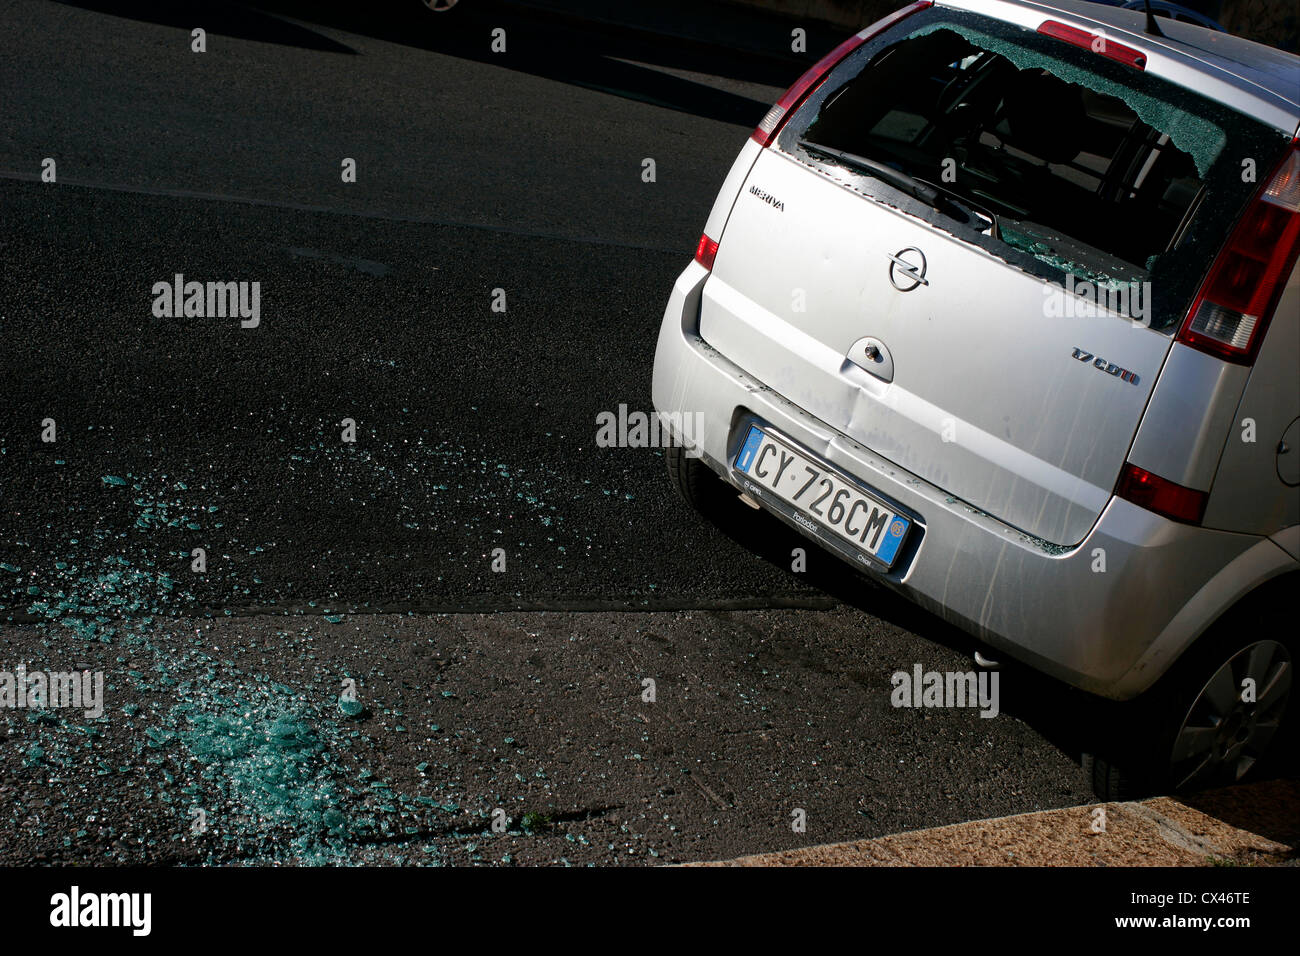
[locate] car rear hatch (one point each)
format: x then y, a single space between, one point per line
967 249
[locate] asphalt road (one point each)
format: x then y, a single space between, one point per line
475 429
370 561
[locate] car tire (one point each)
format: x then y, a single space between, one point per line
1193 730
1109 781
695 481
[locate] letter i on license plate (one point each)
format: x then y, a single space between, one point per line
818 491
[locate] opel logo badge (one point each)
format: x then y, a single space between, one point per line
907 269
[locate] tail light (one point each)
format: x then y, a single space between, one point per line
705 251
1161 495
1232 310
766 131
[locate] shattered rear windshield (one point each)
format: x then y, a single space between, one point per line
1060 161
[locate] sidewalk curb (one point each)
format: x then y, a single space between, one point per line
1251 825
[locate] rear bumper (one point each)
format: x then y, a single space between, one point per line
1108 615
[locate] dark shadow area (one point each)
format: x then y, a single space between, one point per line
1270 809
1057 711
215 17
588 56
1072 720
551 48
571 41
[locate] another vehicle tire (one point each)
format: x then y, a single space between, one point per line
1109 782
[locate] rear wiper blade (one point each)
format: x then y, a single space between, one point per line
974 210
896 178
932 197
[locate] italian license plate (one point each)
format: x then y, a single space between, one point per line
822 495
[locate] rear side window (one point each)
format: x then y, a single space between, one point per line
1060 161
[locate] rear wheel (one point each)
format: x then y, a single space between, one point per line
1217 716
1234 718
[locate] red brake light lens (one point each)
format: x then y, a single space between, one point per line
1096 42
1241 292
771 124
706 250
1161 495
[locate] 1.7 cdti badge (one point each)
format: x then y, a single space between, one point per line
1110 368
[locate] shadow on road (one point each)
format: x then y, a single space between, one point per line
592 58
216 17
1072 720
1058 712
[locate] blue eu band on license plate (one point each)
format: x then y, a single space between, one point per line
750 449
820 493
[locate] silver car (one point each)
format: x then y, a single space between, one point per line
1000 304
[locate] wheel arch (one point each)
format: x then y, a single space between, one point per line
1262 574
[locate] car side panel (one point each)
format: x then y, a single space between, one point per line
1248 494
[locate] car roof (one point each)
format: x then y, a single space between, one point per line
1250 77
